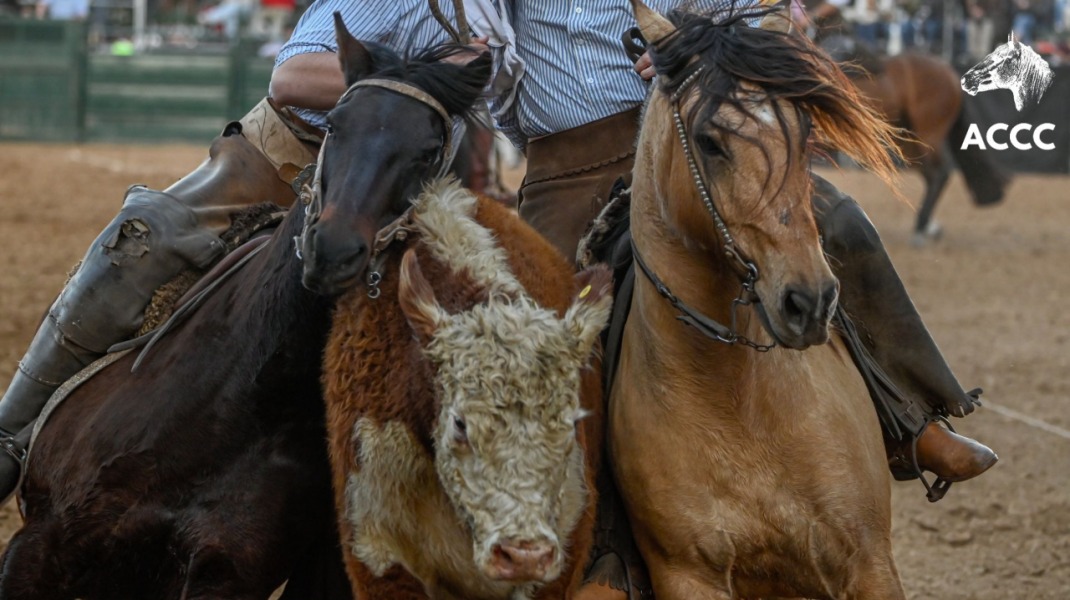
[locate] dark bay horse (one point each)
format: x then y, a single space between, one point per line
921 94
745 473
204 474
464 411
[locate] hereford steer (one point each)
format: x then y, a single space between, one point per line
457 402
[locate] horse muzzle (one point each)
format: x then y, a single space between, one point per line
332 263
802 316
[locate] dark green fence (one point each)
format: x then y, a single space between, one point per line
51 88
42 80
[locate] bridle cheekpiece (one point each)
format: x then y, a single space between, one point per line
749 271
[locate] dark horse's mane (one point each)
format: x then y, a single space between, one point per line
785 66
448 83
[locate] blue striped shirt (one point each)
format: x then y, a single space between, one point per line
576 70
404 25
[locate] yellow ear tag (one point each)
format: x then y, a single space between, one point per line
585 291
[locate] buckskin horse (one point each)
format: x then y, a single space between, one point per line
464 411
921 94
745 473
203 474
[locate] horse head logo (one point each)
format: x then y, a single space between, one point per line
1012 66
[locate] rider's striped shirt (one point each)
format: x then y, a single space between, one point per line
399 24
575 70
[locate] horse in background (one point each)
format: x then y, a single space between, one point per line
464 402
921 95
1012 66
729 452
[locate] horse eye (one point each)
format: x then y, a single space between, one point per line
330 129
460 430
707 145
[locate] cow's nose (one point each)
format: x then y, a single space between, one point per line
521 560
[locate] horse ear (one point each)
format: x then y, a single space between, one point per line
778 20
355 58
653 26
590 309
417 299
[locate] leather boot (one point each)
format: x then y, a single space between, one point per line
51 359
894 335
951 456
874 296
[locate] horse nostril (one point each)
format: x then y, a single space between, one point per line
798 307
355 258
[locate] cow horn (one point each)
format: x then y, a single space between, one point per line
654 26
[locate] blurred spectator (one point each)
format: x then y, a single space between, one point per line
1025 21
271 18
71 10
869 18
229 14
980 27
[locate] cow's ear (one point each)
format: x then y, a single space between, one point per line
417 299
590 307
355 58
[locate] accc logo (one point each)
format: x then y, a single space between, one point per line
973 136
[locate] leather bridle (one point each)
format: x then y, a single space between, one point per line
705 325
312 194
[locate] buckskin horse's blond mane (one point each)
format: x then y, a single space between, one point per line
784 67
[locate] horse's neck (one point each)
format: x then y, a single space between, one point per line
1032 81
270 306
698 276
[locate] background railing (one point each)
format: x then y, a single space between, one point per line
52 88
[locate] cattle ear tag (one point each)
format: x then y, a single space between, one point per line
585 291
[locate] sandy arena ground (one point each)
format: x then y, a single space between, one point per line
991 291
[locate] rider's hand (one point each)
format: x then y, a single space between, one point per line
474 48
645 67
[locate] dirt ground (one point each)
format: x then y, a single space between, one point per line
991 291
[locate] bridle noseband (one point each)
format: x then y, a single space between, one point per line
312 195
707 326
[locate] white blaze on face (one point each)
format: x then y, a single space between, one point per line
764 113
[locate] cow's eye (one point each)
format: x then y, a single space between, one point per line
460 430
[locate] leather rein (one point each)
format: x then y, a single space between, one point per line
399 229
691 316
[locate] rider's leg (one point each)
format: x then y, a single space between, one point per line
154 238
893 333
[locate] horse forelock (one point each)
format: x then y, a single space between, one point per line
783 66
451 84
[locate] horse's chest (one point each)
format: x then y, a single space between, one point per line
401 515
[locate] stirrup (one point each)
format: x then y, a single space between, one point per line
16 451
935 491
